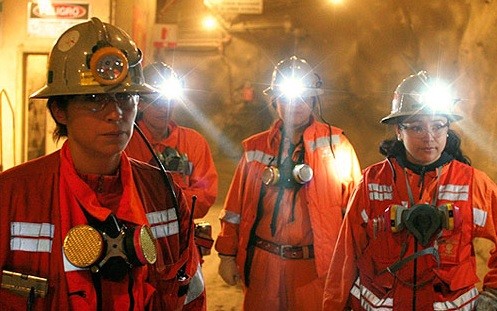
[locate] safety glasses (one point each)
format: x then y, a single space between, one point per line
98 102
418 130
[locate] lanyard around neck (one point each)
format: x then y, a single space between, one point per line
409 190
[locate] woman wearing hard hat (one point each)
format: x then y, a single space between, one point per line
284 207
86 227
406 240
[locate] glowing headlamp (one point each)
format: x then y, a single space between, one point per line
437 97
171 88
292 88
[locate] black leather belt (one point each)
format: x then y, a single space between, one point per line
286 251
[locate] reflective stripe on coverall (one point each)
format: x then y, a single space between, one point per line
153 287
357 270
335 171
203 181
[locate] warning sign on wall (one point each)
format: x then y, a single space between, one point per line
236 6
165 35
52 19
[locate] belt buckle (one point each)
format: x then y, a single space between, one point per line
283 249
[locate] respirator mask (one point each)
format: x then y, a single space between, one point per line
174 161
424 221
109 248
289 174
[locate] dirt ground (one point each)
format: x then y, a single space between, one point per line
220 296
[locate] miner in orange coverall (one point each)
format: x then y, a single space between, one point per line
86 227
284 206
406 240
182 151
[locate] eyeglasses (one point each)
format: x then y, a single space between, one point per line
415 130
98 102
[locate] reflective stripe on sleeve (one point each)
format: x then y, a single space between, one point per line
364 216
453 192
32 229
196 286
31 237
163 223
368 300
379 192
465 302
31 245
162 231
258 156
479 217
323 142
231 217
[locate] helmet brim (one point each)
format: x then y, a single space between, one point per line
310 92
395 118
49 90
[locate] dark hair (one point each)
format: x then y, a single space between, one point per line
394 147
61 102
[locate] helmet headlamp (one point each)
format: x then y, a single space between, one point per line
291 88
438 97
163 78
94 58
171 88
109 65
419 94
293 78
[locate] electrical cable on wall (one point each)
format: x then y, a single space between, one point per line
3 93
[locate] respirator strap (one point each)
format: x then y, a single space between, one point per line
399 264
97 284
297 188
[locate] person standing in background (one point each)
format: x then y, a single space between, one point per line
182 151
285 204
406 240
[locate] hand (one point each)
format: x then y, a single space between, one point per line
487 300
228 270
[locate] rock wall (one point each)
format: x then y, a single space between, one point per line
360 50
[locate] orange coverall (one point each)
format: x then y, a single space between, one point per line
312 216
203 181
362 274
42 199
